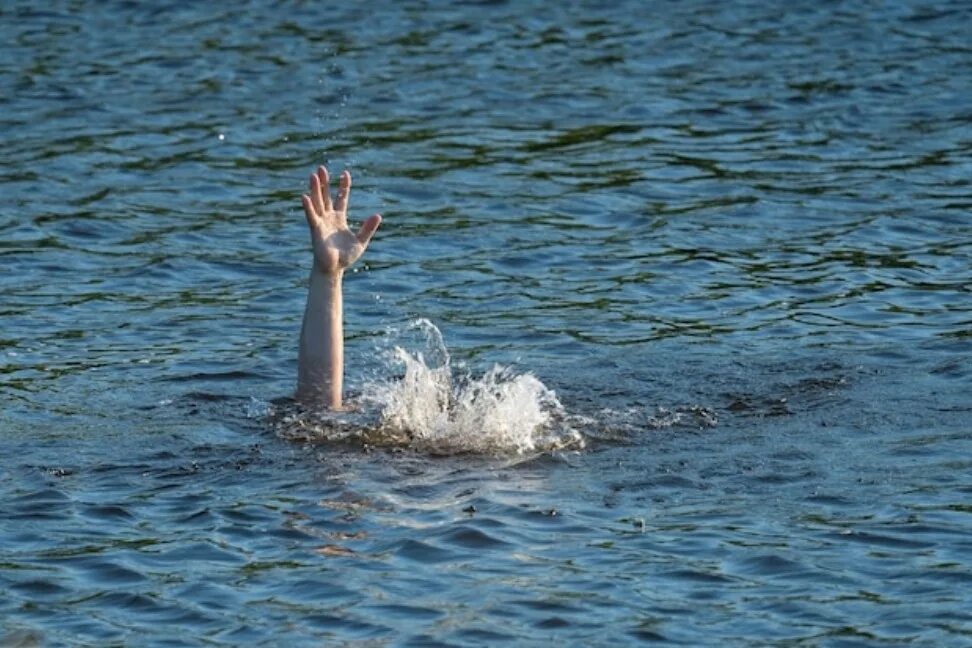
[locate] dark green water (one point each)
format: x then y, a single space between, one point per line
735 238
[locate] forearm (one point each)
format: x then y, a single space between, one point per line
320 363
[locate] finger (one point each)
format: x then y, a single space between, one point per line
344 192
368 229
325 187
317 202
309 210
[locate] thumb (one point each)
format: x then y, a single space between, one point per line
368 229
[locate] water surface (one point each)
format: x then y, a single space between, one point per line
734 238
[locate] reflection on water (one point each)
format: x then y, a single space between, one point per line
723 249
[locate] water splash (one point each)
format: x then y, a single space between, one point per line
432 407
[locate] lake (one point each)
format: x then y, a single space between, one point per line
699 273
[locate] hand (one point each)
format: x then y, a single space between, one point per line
335 246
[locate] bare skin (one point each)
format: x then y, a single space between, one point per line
320 363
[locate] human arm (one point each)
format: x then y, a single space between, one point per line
320 362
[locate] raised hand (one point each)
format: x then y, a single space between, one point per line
335 246
320 361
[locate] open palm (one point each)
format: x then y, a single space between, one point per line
335 246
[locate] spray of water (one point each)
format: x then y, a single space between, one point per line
432 407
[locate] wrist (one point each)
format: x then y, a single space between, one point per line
334 275
328 284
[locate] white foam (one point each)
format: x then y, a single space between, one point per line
420 401
442 411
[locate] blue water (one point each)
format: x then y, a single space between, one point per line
735 239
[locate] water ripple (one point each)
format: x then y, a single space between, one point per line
733 240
